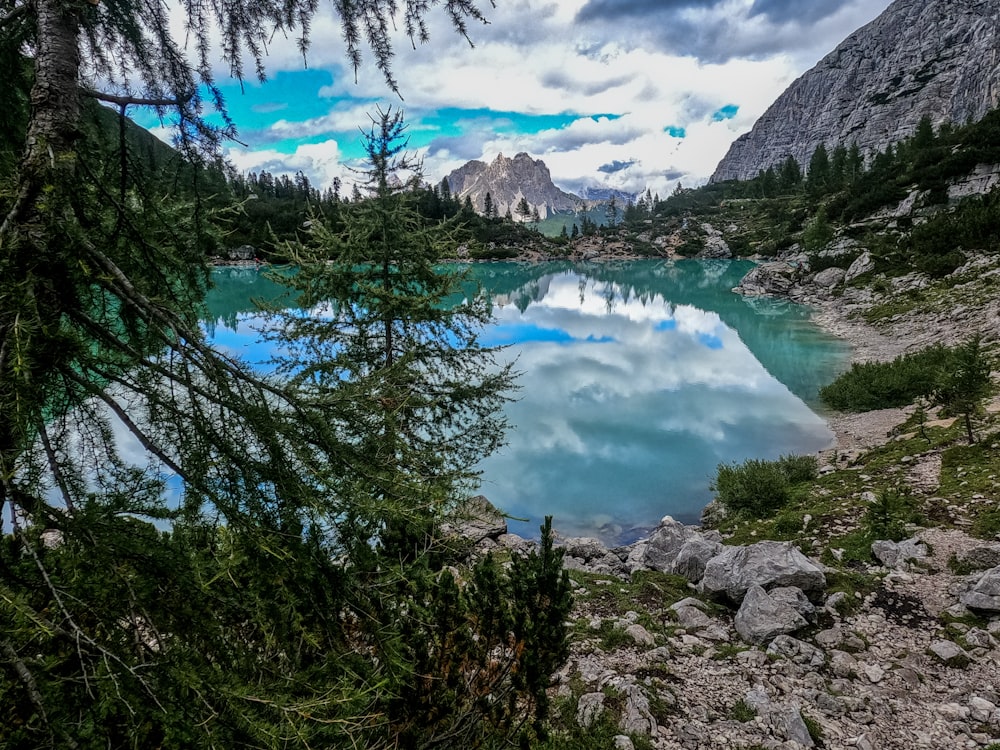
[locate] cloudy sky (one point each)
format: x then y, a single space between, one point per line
620 93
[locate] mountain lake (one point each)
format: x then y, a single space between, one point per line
637 380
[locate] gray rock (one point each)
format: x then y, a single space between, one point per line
773 279
863 264
760 618
949 653
507 180
585 547
980 558
984 596
243 252
794 597
692 557
978 638
843 664
797 651
766 564
622 742
898 555
665 543
636 717
640 635
475 519
691 618
829 277
588 708
788 723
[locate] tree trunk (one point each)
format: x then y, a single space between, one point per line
45 179
55 107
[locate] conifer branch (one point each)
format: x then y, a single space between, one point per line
125 101
14 15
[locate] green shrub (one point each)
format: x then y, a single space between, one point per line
756 488
799 468
742 711
881 385
887 516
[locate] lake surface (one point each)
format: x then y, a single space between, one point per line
638 379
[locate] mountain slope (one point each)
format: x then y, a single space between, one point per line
939 58
507 181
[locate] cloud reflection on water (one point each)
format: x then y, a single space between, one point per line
637 381
611 436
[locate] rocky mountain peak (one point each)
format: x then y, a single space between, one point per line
935 58
508 180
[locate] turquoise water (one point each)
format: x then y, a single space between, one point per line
638 379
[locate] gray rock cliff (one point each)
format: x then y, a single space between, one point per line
939 58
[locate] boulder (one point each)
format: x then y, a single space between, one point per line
636 717
243 252
765 564
898 555
829 277
665 543
985 593
691 614
760 618
475 519
588 708
797 651
980 558
794 598
949 653
769 279
640 635
586 547
863 264
692 557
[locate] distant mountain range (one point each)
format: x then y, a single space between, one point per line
935 58
508 180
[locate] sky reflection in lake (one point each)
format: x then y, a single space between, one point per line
637 380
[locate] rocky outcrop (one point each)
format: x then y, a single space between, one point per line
507 181
736 570
934 58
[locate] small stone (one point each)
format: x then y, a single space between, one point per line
950 654
874 673
640 635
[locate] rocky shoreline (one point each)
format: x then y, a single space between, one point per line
681 641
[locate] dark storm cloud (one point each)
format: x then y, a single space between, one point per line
675 174
467 146
615 166
780 11
600 10
717 35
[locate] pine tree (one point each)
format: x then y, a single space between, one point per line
222 614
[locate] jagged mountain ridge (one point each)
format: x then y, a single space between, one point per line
935 58
507 180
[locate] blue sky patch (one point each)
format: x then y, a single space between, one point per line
675 131
710 340
725 113
666 325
